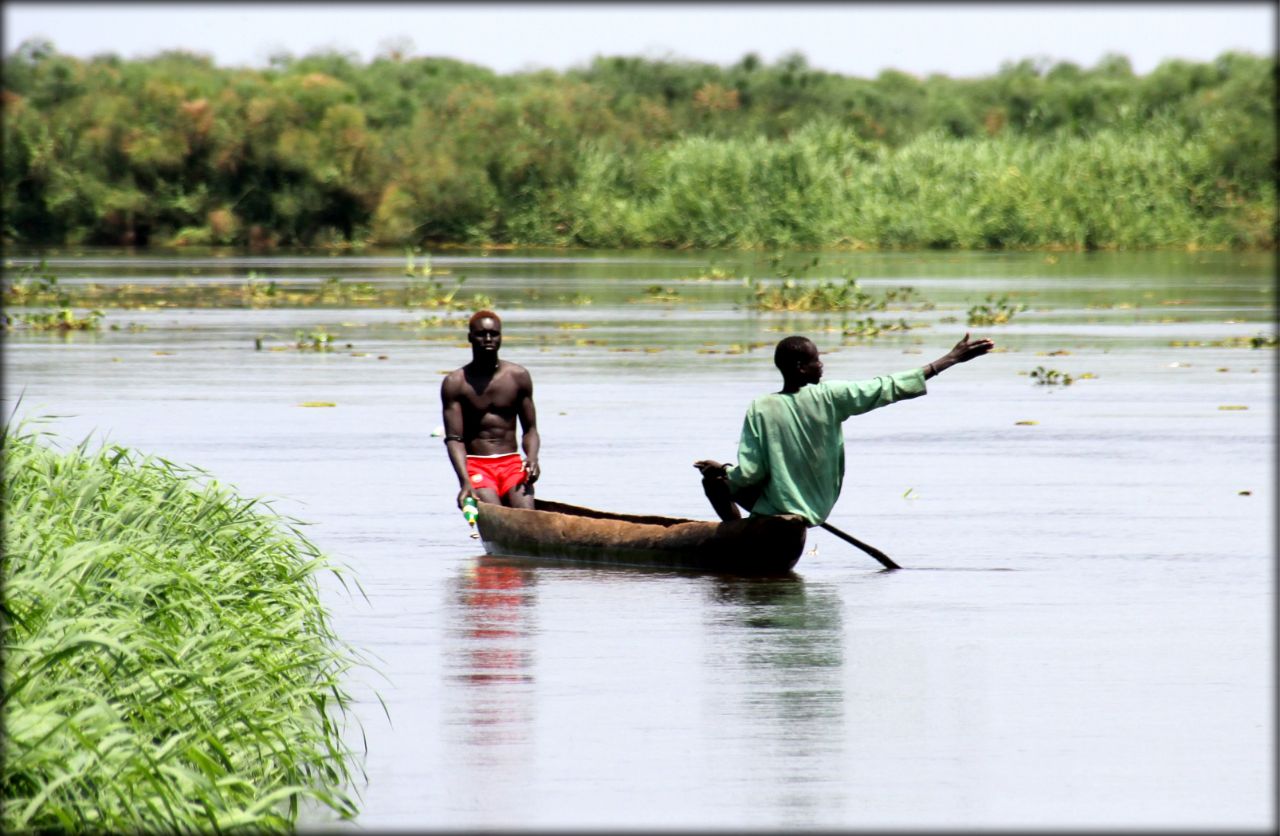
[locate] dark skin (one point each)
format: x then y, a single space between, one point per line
482 402
802 372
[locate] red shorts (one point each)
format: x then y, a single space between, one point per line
498 473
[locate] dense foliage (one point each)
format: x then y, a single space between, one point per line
168 664
326 150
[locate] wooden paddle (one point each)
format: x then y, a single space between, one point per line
884 559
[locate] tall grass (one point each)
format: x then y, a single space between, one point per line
168 663
823 186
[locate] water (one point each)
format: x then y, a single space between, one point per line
1082 636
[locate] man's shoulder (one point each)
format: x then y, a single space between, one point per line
514 370
765 404
452 380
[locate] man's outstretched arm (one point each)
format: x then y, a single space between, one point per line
962 352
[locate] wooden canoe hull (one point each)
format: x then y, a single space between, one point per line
562 532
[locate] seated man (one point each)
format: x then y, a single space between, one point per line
791 451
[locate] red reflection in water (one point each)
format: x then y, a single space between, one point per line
492 659
495 600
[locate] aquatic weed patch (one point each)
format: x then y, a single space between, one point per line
870 328
792 291
35 285
994 311
1051 377
168 662
62 319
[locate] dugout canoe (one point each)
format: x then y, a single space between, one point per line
559 531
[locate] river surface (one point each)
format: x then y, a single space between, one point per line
1082 636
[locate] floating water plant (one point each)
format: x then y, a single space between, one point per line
791 295
32 287
433 294
169 666
62 319
1050 377
1264 341
35 285
713 273
257 292
659 293
1256 341
868 327
317 339
905 295
994 311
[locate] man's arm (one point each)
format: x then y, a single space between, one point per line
450 399
531 441
752 466
962 352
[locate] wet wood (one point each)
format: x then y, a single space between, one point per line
562 532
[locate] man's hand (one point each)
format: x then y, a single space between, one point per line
712 469
532 470
964 351
467 491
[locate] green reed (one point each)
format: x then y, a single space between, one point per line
822 186
168 663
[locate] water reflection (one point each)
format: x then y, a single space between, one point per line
489 654
778 653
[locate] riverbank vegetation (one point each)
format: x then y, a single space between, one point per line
168 663
325 150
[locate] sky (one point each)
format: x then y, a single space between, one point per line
858 39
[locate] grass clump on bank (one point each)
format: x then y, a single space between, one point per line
168 663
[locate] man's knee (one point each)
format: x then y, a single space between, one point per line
521 496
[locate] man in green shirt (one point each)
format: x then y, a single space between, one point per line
791 452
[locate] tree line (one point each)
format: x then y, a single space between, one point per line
327 150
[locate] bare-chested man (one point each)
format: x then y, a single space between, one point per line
482 401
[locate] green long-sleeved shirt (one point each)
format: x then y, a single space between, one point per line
794 443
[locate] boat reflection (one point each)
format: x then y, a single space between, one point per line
776 651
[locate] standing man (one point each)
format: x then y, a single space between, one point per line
791 452
482 401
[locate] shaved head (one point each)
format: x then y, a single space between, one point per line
479 315
792 350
